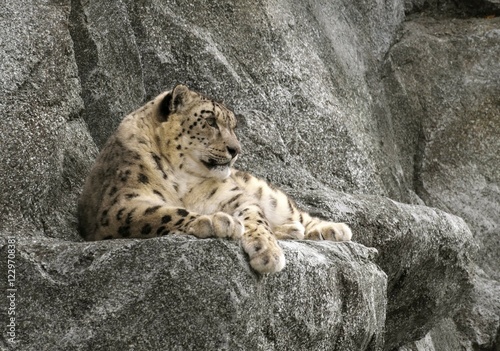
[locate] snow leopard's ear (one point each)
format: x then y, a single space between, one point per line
174 100
164 109
181 95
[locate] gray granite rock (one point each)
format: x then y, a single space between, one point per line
453 8
109 64
181 293
443 80
426 253
42 139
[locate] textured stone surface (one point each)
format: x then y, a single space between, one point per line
332 96
453 8
426 253
180 293
109 65
42 140
447 74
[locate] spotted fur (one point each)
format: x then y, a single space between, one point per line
168 169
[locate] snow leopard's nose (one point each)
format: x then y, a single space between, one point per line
233 151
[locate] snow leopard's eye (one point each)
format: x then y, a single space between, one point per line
212 122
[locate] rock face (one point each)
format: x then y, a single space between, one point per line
425 252
178 293
395 103
447 73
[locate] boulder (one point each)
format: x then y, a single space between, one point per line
427 254
444 92
182 293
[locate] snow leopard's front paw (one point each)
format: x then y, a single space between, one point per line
219 225
329 231
289 231
263 250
